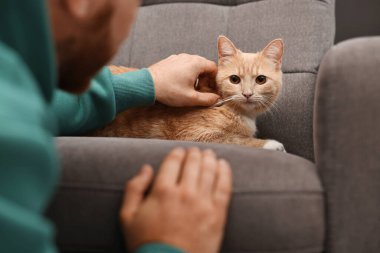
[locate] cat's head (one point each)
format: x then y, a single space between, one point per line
254 79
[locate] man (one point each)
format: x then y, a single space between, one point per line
186 208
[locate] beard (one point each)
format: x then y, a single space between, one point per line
83 49
79 59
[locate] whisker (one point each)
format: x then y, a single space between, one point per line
272 108
275 106
225 100
268 109
266 102
269 105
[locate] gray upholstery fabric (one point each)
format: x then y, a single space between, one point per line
306 26
347 141
277 204
289 121
367 25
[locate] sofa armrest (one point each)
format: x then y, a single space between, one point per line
277 202
347 138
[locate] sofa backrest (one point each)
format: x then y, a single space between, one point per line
165 27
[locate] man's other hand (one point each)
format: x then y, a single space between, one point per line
187 206
175 76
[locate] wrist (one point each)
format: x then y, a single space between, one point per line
155 78
133 89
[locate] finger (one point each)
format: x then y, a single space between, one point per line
208 172
207 67
223 184
170 169
134 191
191 168
202 98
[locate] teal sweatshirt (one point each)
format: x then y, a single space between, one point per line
33 111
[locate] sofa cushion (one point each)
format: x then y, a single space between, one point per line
277 203
306 26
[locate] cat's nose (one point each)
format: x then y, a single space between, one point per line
247 94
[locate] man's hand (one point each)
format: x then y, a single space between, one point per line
175 76
187 206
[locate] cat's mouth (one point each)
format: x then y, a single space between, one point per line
247 101
251 102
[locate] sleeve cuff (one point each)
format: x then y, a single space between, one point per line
158 248
133 89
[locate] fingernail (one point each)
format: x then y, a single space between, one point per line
194 149
144 170
225 163
144 167
178 150
209 152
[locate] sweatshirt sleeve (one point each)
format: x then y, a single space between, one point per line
28 161
158 248
107 95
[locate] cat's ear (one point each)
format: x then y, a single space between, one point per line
274 51
225 47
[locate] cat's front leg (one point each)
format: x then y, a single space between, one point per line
257 143
274 145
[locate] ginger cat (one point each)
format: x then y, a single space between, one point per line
253 79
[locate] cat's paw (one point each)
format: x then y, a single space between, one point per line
274 145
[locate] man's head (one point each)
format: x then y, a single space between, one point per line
87 34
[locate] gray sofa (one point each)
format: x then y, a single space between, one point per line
323 196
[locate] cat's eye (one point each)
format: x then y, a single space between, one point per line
234 79
261 79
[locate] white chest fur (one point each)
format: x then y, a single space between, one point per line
251 123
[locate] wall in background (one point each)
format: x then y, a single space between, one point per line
355 18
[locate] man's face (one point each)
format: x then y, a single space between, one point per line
87 33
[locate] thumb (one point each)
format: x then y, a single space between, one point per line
134 192
204 99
